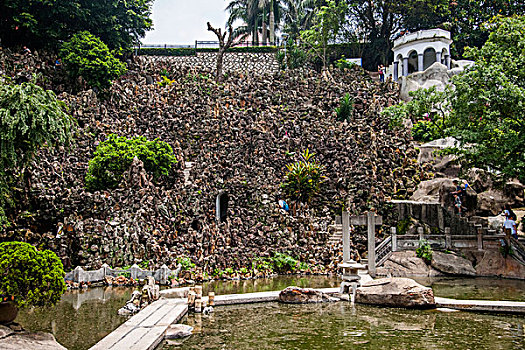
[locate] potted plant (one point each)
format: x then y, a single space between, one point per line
28 277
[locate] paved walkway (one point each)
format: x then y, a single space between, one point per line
145 330
497 306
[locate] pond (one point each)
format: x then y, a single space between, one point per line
83 317
341 326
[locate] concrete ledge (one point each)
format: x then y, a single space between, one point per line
498 306
261 297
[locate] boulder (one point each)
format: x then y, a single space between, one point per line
452 264
176 331
296 295
396 292
407 264
491 202
494 264
30 341
428 191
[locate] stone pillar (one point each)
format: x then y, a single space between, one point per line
438 56
447 61
448 238
346 236
421 232
420 62
396 70
371 224
405 66
394 239
480 238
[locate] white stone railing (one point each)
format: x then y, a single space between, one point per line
161 275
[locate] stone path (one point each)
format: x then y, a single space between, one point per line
145 330
515 307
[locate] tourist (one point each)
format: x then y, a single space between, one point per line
457 204
26 51
58 64
509 213
510 226
381 70
461 192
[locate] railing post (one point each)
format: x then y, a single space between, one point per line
106 269
480 238
421 232
164 274
78 274
448 238
394 239
371 243
134 271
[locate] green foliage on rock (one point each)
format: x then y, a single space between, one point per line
87 56
424 251
30 117
283 263
295 57
303 179
345 109
32 277
115 155
484 111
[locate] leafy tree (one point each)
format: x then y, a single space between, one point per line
303 179
87 56
43 23
327 24
29 118
115 155
31 277
466 19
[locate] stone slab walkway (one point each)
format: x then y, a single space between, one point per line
145 330
261 297
498 306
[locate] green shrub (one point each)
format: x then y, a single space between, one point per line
295 57
115 155
342 63
283 263
345 109
186 264
425 131
424 251
87 56
303 179
32 277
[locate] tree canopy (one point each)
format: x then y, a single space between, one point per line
484 111
29 118
44 23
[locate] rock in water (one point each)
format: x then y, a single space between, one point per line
452 264
296 295
30 341
176 331
396 292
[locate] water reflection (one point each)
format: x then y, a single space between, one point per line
81 318
341 326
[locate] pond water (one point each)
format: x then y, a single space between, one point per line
83 317
341 326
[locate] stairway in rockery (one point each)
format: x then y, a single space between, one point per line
336 237
518 250
187 168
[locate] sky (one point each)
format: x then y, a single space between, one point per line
181 22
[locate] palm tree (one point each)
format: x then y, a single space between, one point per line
248 12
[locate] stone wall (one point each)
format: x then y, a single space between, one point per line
258 63
237 138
